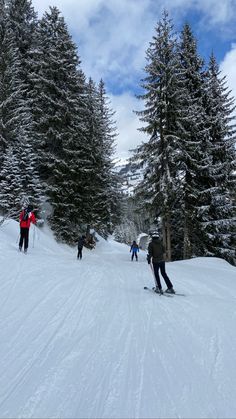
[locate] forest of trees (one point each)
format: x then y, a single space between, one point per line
189 156
57 139
56 128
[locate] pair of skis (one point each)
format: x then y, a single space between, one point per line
166 294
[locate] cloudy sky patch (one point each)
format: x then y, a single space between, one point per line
112 37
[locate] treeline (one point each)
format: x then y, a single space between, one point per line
189 158
56 128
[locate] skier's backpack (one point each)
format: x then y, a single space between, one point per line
25 216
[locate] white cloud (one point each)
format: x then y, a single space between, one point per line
217 11
112 36
228 67
109 33
214 11
112 39
127 123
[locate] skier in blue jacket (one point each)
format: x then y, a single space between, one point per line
134 249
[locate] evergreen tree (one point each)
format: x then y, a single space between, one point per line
109 197
100 157
11 195
218 213
16 120
160 155
19 43
32 188
2 69
126 231
189 160
94 140
23 24
194 143
3 141
5 91
133 220
15 115
59 113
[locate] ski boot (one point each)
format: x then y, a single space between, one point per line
170 291
158 290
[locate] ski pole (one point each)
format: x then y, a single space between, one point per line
38 232
33 236
18 238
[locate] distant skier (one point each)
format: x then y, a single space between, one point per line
134 249
26 217
80 246
156 257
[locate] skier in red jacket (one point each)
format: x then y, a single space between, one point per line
26 217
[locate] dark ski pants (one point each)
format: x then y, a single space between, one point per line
79 256
24 238
161 266
134 254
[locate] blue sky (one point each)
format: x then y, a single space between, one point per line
113 35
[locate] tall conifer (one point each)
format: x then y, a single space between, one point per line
218 213
194 141
16 118
160 154
59 121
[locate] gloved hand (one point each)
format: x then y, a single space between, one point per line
148 259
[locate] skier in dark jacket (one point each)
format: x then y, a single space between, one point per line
80 246
134 249
26 217
156 257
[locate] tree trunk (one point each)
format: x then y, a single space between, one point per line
166 234
168 239
187 224
187 242
88 231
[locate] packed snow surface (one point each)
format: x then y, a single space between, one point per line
83 339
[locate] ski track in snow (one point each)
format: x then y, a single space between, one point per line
82 339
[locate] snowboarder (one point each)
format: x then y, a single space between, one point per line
26 217
156 257
134 249
80 246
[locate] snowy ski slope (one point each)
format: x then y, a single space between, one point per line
82 339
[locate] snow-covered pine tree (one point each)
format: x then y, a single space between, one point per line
99 209
194 144
23 24
109 183
31 183
126 231
16 121
20 41
160 155
133 221
60 111
11 191
217 212
2 71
